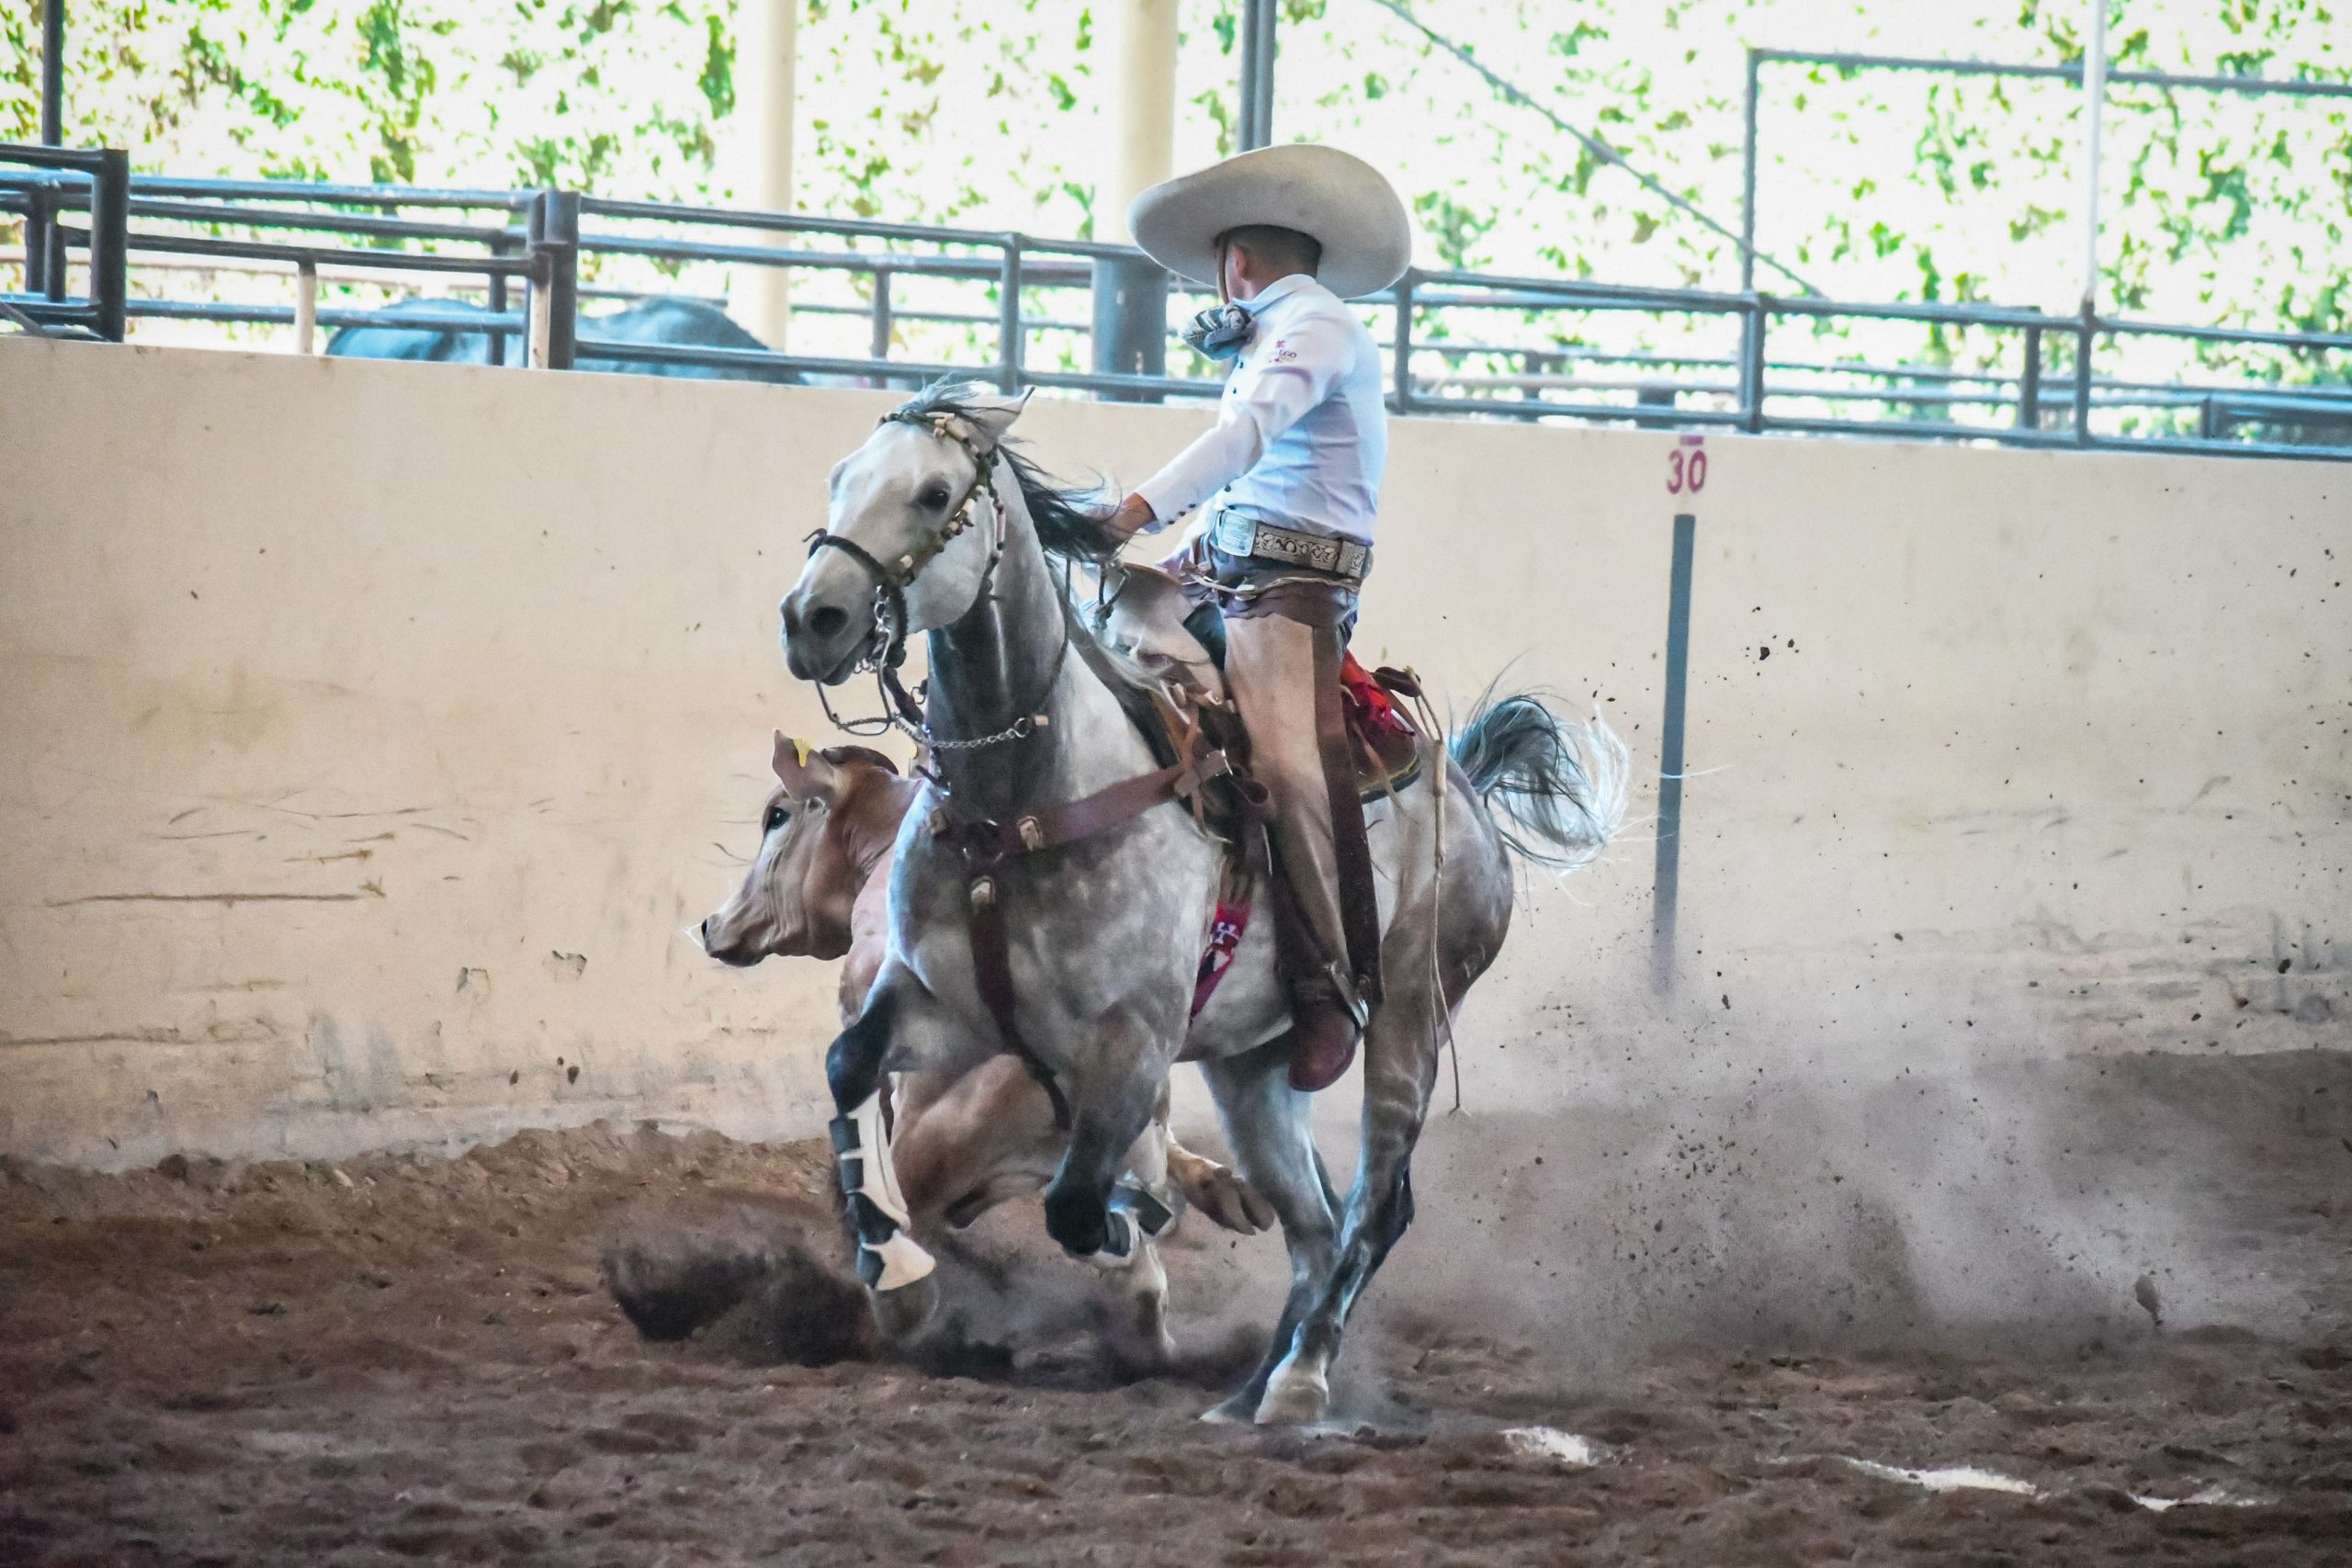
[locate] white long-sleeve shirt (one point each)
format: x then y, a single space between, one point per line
1302 433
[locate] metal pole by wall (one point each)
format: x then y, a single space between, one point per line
1256 126
1667 878
53 73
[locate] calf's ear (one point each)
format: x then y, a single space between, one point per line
804 772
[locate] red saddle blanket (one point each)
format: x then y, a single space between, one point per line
1387 742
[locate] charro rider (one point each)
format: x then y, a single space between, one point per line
1287 485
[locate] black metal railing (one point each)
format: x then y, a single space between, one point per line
886 304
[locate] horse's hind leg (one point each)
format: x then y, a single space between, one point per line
1266 1123
1400 1066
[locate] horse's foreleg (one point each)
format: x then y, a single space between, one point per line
1117 1091
1266 1122
893 1267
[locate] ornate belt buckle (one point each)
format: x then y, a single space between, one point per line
1033 836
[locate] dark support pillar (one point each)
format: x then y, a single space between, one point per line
554 230
110 242
1130 322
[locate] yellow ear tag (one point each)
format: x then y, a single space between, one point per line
801 749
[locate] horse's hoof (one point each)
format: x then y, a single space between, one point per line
899 1314
1077 1220
1293 1398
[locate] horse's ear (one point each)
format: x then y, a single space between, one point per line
991 417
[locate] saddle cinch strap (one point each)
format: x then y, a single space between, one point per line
987 847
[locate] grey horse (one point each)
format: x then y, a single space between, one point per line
939 526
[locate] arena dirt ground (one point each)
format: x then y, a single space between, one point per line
404 1358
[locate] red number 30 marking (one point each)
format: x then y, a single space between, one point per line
1686 468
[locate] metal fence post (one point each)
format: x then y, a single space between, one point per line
2082 376
554 238
501 247
1748 182
53 74
1009 330
877 344
2030 382
109 242
1401 397
306 304
1751 365
41 219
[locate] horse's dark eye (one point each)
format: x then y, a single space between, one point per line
777 817
934 497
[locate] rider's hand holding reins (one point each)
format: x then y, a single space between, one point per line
1131 517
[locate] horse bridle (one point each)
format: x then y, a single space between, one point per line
886 648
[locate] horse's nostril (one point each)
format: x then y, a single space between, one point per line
828 621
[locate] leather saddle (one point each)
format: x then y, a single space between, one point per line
1144 614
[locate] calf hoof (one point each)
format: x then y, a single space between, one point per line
901 1313
1079 1220
1294 1397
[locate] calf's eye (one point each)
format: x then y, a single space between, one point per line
777 817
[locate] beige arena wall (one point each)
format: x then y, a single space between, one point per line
374 731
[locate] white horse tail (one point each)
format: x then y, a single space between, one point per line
1555 788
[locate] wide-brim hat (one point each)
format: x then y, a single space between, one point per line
1338 200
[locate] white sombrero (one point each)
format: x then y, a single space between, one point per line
1340 201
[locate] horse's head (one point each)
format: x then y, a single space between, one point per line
913 527
830 815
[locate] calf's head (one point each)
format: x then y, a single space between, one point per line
832 814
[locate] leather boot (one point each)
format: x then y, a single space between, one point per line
1324 1035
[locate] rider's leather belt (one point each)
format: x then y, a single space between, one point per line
1240 535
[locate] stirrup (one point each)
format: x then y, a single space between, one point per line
1332 987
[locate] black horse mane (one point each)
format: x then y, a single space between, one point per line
1063 515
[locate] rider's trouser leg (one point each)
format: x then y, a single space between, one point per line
1270 669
